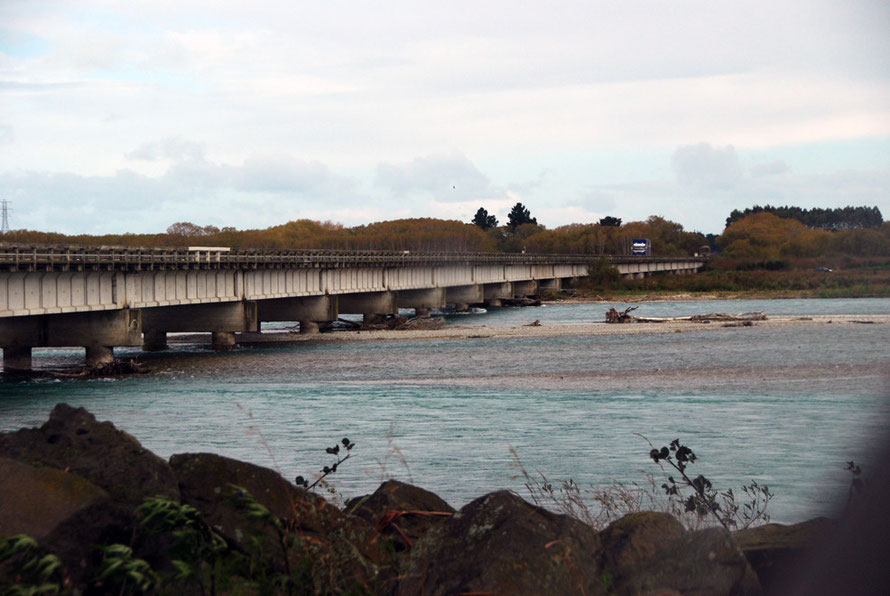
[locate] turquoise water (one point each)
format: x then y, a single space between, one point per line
784 406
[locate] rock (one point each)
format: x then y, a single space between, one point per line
773 550
500 544
75 541
636 538
73 440
341 552
703 563
394 497
35 499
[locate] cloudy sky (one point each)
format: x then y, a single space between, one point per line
131 116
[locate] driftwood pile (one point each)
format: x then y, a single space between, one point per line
614 316
397 322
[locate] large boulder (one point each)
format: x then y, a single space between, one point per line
774 550
72 440
656 556
35 499
502 545
400 511
340 552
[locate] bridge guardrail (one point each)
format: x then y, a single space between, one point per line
31 258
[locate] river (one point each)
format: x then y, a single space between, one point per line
785 406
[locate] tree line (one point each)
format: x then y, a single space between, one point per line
840 218
759 236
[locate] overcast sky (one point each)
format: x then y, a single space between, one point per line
131 116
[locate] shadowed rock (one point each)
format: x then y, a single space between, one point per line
413 510
342 551
503 545
73 440
35 499
774 549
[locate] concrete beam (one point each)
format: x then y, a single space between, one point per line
383 303
422 299
216 317
309 308
96 328
97 356
222 340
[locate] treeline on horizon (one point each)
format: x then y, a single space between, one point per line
840 218
757 234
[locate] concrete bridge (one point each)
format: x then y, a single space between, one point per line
102 297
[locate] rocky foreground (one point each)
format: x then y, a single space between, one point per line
119 519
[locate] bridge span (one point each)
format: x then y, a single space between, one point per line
102 297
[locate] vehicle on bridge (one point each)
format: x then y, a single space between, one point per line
641 247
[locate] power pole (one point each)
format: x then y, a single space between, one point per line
4 207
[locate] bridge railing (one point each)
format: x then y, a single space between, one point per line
15 257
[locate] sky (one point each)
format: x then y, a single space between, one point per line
129 116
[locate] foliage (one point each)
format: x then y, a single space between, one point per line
327 470
122 573
197 548
484 220
610 221
704 499
841 218
601 272
518 216
30 571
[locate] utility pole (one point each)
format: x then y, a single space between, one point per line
4 207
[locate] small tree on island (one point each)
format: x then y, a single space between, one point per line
609 221
518 216
484 220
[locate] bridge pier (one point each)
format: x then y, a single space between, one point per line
98 356
551 285
223 340
422 313
154 340
16 358
523 289
309 327
373 306
463 296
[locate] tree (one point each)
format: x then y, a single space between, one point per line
484 220
609 221
518 216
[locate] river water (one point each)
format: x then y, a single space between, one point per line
785 406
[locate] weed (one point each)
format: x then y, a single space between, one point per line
123 572
704 499
31 572
327 470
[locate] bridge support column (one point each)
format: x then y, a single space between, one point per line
16 358
493 303
522 289
222 340
422 313
99 356
463 296
309 327
371 318
154 340
373 306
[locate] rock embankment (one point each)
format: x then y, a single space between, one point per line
201 523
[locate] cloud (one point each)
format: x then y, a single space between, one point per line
707 167
172 148
7 135
283 174
773 168
449 178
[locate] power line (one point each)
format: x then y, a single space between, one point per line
4 207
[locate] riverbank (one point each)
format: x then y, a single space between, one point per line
542 330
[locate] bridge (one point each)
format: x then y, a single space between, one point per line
102 297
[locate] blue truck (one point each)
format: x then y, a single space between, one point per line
641 247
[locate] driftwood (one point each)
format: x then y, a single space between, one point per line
397 322
118 367
613 316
